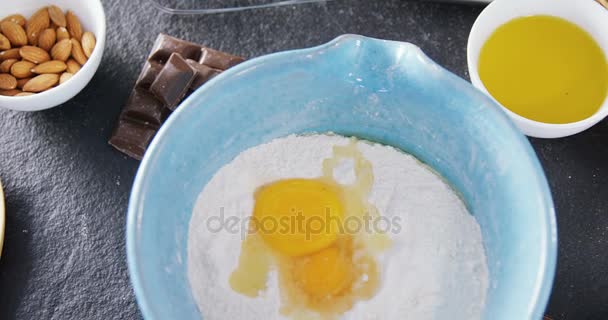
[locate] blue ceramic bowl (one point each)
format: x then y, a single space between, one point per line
384 91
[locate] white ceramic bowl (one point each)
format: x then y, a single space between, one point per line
587 14
92 17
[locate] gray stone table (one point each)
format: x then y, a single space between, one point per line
67 190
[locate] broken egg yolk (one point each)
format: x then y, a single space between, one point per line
326 273
297 217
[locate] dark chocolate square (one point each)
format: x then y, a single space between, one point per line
148 74
165 45
217 59
203 74
173 81
132 138
142 106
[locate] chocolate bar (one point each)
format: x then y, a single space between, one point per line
173 70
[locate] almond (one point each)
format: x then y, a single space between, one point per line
7 82
54 66
5 44
77 52
10 54
24 94
34 54
14 33
47 39
73 66
88 43
38 22
10 93
5 66
62 50
62 33
16 18
22 69
57 16
65 77
41 83
22 82
74 26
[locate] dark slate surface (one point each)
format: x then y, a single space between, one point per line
67 190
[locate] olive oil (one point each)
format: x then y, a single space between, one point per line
545 69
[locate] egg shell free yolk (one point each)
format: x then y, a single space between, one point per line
297 217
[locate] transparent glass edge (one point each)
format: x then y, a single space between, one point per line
229 9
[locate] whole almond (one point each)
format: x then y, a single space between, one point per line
16 18
38 22
88 43
41 83
34 54
22 82
57 16
10 54
5 66
62 50
54 66
5 44
74 26
24 94
7 82
14 33
72 66
10 93
22 69
62 33
65 77
47 39
77 52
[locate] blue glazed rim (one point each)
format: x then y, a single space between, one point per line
544 279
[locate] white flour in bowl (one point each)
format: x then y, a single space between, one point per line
435 269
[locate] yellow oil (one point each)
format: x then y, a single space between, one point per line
545 68
328 282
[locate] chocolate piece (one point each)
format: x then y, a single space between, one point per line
171 72
173 81
203 74
132 138
166 45
142 106
217 59
149 74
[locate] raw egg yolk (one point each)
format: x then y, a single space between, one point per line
297 217
324 274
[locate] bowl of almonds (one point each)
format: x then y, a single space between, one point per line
48 52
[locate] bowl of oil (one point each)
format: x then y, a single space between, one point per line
544 62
